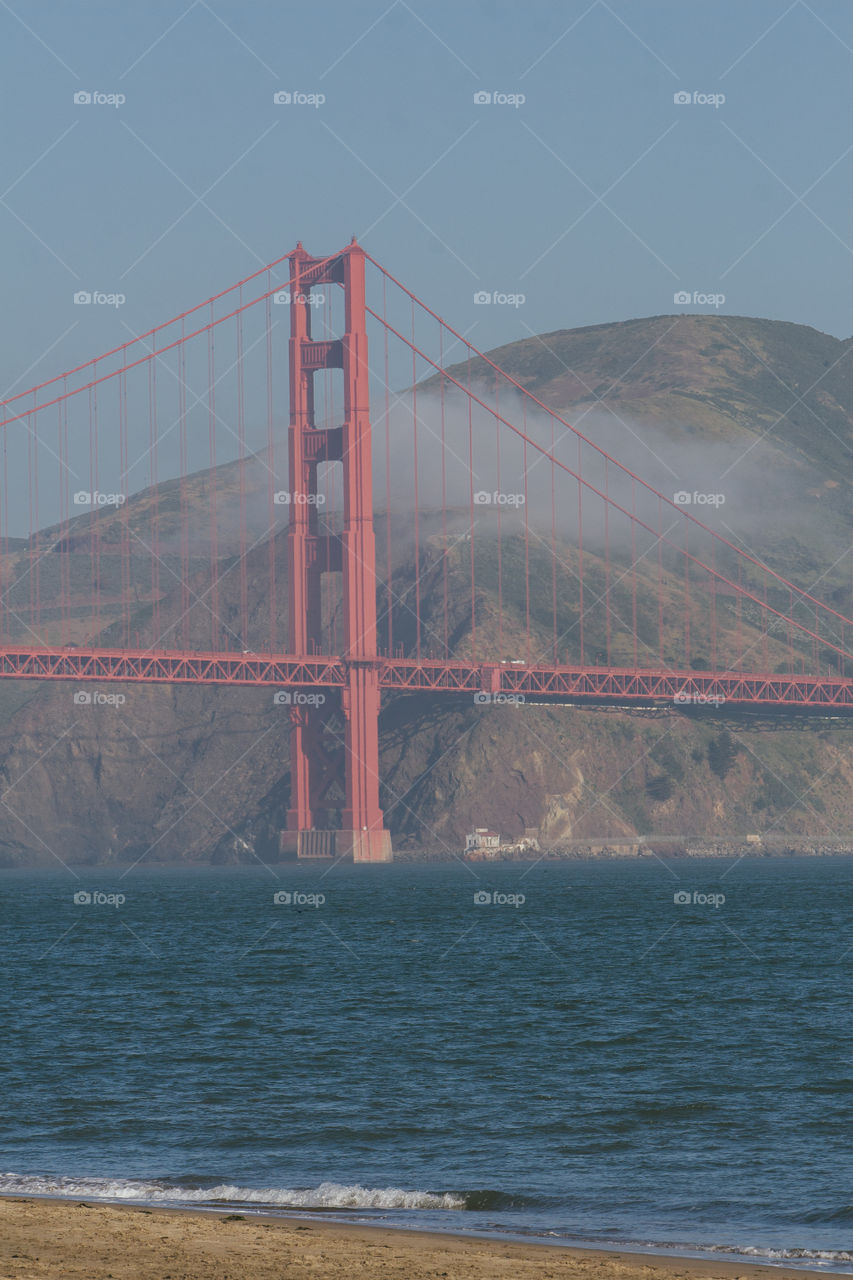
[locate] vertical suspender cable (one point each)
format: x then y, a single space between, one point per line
554 656
471 507
95 517
739 611
153 427
607 560
526 541
213 536
661 647
500 509
764 624
634 638
417 493
4 530
272 604
123 514
686 593
62 556
389 567
31 561
714 604
183 503
580 551
241 435
442 388
37 520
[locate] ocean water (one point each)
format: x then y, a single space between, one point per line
639 1053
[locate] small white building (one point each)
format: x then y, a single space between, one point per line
482 838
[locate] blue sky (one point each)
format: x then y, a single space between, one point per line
597 198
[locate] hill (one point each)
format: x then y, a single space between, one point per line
757 409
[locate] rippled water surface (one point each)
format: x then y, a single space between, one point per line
598 1061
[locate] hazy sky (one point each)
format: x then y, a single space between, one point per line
598 197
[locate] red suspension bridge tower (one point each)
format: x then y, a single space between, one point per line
311 553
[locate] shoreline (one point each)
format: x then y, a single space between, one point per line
628 850
51 1238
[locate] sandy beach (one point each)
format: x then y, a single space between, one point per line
42 1239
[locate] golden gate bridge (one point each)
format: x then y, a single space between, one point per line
232 534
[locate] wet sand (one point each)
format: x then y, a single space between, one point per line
43 1239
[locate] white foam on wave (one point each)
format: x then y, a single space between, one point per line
328 1195
832 1256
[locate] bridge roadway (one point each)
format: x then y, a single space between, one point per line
487 682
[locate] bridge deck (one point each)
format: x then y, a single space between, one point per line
489 682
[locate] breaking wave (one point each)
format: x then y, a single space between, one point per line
328 1195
